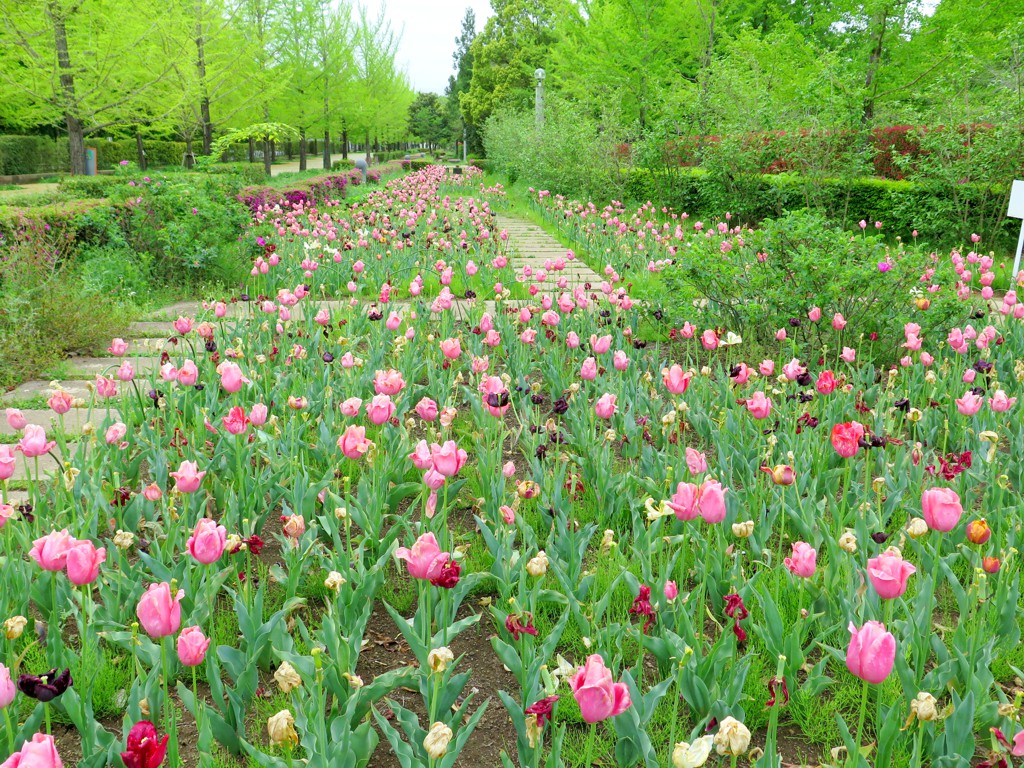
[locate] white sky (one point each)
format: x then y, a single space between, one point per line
429 29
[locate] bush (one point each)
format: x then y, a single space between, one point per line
774 275
344 164
81 187
158 153
571 154
32 154
941 213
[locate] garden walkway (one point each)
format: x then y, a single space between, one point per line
532 247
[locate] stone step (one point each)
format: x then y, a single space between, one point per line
74 420
44 389
107 366
15 498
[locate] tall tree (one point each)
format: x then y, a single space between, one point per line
458 83
81 63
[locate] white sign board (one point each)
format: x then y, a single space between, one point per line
1016 211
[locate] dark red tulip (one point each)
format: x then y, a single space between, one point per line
144 748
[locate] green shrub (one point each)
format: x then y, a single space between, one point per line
344 164
158 153
32 154
799 261
80 187
902 206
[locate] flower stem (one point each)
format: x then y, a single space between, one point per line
855 758
590 745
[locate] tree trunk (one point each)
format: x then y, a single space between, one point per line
189 157
252 150
266 155
873 60
302 149
327 149
76 132
140 150
366 148
204 100
344 141
288 150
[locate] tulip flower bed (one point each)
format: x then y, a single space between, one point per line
377 511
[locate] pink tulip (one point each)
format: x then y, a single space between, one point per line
207 542
846 438
421 457
231 378
448 459
354 443
619 360
941 509
41 752
293 526
183 325
780 335
671 591
793 369
804 561
16 419
838 321
815 314
258 415
192 646
188 477
509 469
6 513
605 407
425 560
759 405
826 383
106 388
51 551
7 462
451 348
159 611
849 355
598 697
7 688
999 402
589 370
711 502
871 653
767 367
60 402
83 562
188 374
237 421
696 461
600 344
125 372
118 347
426 409
675 379
33 442
970 403
889 573
380 409
709 339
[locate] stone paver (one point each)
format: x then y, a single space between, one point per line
92 366
533 247
73 420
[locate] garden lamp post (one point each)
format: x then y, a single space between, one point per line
539 99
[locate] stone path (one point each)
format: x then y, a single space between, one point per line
531 247
535 248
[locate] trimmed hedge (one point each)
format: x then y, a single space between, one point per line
158 153
32 154
938 212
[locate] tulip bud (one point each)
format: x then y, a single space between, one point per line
743 530
538 565
733 737
436 742
608 540
991 564
782 474
144 707
334 581
917 528
978 531
124 539
287 678
439 658
14 626
354 681
878 484
848 541
281 729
